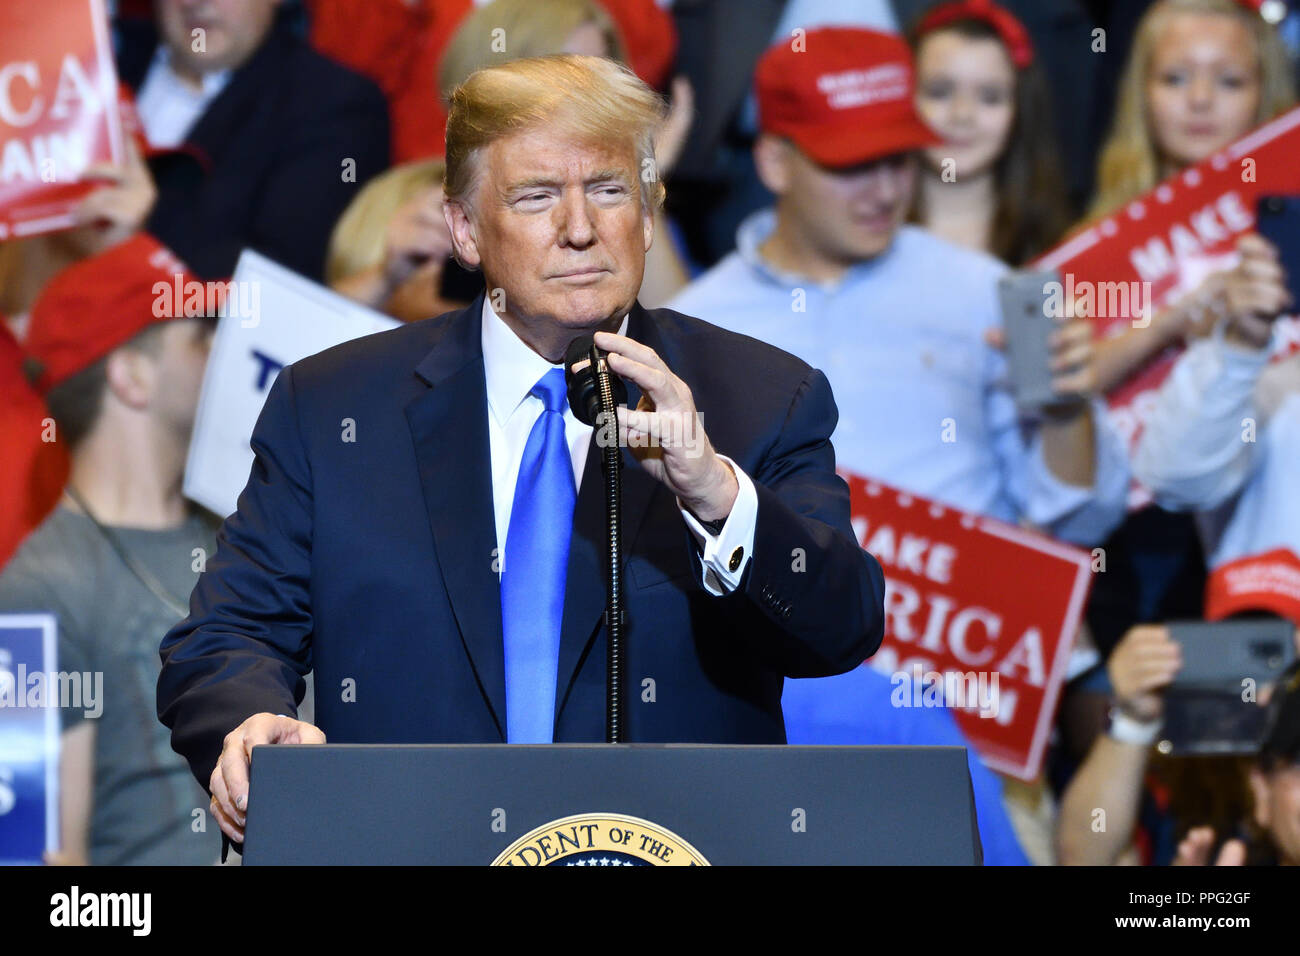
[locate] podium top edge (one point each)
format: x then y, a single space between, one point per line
746 748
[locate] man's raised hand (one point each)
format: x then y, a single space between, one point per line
665 433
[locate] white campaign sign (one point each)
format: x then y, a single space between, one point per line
281 318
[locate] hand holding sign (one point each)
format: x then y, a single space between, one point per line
58 115
119 207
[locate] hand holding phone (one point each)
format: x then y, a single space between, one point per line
1049 350
1278 221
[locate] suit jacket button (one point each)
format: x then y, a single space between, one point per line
736 557
785 612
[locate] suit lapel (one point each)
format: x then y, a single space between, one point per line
449 429
585 585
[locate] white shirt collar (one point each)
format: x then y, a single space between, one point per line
210 84
511 368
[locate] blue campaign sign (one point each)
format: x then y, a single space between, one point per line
29 738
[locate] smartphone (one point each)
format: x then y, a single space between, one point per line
1278 221
1219 655
1212 707
1029 324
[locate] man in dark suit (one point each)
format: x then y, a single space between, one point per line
284 137
413 528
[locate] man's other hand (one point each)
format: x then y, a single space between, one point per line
229 782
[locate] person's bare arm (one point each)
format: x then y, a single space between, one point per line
1248 295
1099 807
76 795
1109 781
1121 356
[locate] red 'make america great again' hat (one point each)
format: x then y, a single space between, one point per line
842 95
96 305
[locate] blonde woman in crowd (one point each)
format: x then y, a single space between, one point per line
1201 74
390 247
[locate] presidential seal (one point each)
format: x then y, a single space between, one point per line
600 839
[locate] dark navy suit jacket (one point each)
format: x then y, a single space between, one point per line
272 147
372 560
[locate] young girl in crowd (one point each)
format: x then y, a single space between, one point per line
996 183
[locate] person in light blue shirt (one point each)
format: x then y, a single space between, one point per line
903 323
906 326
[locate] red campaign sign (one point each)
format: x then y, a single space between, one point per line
58 110
990 606
1161 246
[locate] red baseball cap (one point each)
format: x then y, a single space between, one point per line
842 95
96 305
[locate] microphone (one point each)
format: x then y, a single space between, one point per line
594 389
584 384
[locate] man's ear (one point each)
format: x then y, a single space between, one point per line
463 238
131 375
772 160
648 226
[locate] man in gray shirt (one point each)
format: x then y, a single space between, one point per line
116 561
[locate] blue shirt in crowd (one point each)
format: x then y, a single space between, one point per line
923 400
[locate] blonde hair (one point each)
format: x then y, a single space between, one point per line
360 236
1130 163
590 98
526 29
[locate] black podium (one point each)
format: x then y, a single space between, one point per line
609 805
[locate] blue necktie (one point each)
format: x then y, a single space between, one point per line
536 561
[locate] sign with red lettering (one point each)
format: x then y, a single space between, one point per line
58 110
1162 246
980 616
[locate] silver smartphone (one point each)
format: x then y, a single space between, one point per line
1028 324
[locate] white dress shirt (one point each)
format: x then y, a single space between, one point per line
1210 446
512 369
168 106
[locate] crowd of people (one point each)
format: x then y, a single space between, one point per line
848 182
